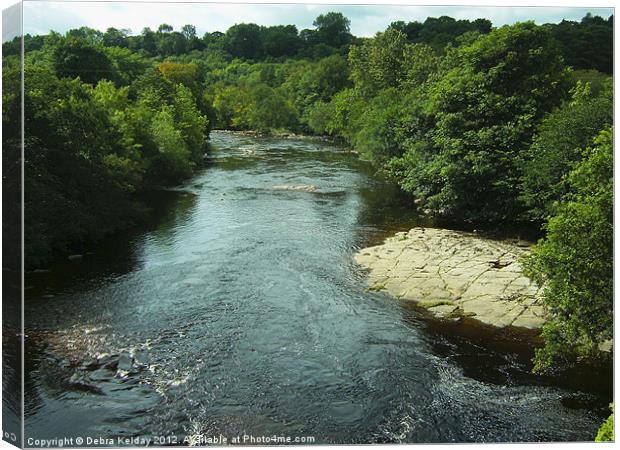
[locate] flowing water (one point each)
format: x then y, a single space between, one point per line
240 311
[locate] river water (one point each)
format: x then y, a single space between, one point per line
240 310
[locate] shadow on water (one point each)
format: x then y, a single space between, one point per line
114 255
508 354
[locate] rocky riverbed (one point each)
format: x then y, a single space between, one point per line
455 274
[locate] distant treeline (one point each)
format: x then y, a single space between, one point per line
478 124
587 44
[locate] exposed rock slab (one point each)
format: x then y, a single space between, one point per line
456 274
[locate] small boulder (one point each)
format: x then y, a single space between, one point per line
125 362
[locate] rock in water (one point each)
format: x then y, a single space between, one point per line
295 187
83 383
125 362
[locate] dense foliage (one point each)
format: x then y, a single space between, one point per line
90 144
478 124
575 261
606 432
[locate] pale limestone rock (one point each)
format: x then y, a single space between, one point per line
456 274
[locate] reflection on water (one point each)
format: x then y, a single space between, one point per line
240 310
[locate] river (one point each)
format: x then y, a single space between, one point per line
240 310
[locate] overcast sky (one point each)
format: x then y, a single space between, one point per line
366 20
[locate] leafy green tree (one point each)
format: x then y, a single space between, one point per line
115 38
318 117
171 43
174 159
587 44
74 57
490 96
127 65
270 110
329 76
192 125
381 126
280 41
347 106
309 83
243 41
606 432
232 105
420 63
127 164
574 262
438 32
558 146
178 73
409 29
70 193
379 62
90 35
332 29
189 31
149 41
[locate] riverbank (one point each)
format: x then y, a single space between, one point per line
455 274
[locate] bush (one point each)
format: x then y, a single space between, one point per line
558 146
574 263
606 432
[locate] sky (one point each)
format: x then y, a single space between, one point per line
42 16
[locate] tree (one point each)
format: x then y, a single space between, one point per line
90 35
174 159
329 76
409 29
70 194
438 32
574 262
490 95
606 432
280 40
189 32
380 127
243 40
149 41
232 105
318 82
179 73
318 117
127 65
192 125
115 38
270 110
332 29
380 62
171 43
587 44
73 57
558 145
